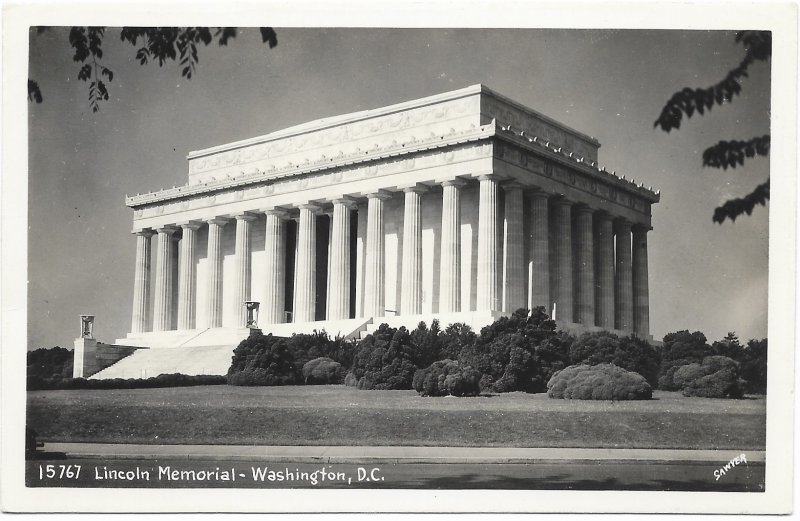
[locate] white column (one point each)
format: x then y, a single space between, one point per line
305 275
242 276
487 284
214 289
141 282
641 292
513 247
562 260
162 309
584 257
539 253
339 261
604 270
450 258
624 278
374 273
274 307
411 282
187 279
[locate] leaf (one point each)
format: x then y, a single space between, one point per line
34 94
85 73
733 208
268 36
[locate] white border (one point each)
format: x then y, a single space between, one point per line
780 18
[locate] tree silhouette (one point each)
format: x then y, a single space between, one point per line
162 44
758 47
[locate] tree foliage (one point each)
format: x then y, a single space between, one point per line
725 154
598 382
152 44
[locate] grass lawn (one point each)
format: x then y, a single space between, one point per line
339 415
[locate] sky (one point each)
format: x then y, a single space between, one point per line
610 84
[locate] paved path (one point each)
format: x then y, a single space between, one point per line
340 454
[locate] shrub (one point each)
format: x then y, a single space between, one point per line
679 349
630 352
36 383
307 347
715 377
754 366
323 371
263 360
598 382
55 362
518 353
447 377
384 359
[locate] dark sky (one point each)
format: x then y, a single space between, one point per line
609 84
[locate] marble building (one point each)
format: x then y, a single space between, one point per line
461 206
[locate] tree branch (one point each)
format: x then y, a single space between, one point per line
736 207
731 153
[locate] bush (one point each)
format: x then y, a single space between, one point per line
630 352
385 359
598 382
323 371
36 383
55 362
753 366
518 353
679 349
307 347
263 360
715 377
447 377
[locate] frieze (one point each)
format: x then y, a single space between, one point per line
311 180
343 133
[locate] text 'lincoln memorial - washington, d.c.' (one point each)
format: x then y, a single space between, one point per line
462 206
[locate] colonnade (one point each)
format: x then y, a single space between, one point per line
588 265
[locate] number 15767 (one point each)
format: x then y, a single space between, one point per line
59 471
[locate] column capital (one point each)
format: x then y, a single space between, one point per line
562 201
535 191
277 211
622 224
346 201
457 182
512 185
641 228
144 232
582 208
168 229
219 221
379 194
244 216
190 225
489 177
415 188
312 207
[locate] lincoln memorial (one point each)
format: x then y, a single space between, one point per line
462 206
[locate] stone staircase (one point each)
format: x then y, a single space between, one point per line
207 351
146 363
